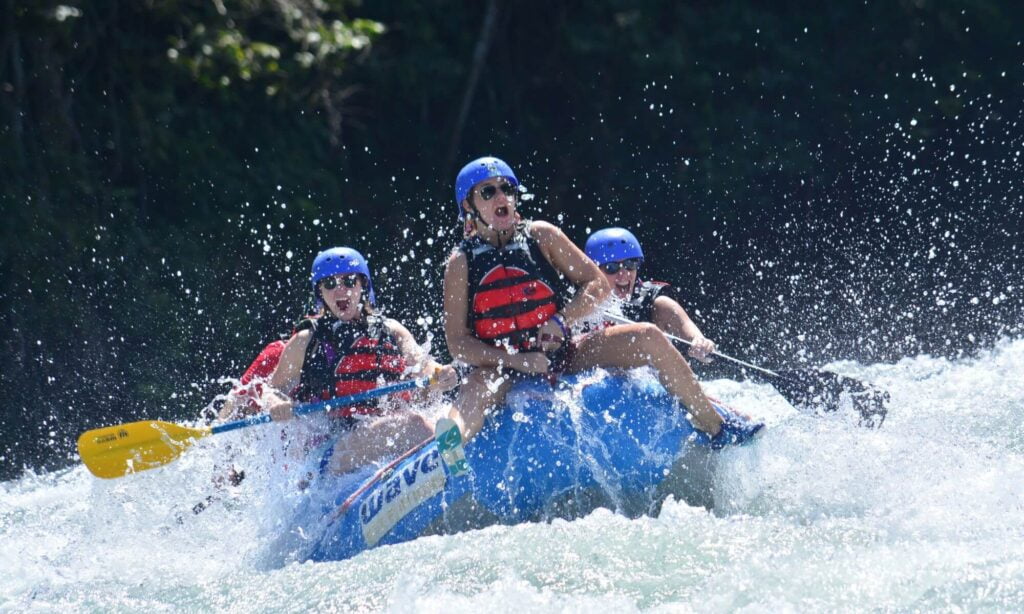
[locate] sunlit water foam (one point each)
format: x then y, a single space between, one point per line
818 514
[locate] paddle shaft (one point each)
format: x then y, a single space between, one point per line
812 388
310 408
113 451
769 372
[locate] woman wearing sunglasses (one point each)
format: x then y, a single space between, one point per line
506 301
507 310
347 349
619 255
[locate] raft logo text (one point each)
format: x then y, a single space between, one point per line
406 488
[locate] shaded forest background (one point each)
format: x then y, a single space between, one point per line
822 181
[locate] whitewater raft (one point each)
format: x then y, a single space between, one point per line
595 440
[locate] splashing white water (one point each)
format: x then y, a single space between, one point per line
922 514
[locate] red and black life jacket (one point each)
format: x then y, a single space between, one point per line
345 358
511 291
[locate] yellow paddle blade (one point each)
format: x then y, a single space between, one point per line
114 451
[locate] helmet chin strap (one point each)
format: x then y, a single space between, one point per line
474 212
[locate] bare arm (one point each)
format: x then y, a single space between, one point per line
287 375
673 319
411 351
570 261
442 376
670 317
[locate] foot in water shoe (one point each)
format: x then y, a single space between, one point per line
735 432
449 445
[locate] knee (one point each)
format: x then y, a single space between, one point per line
481 390
422 429
401 430
651 338
414 424
479 376
481 381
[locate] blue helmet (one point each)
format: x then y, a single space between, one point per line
613 245
341 261
475 172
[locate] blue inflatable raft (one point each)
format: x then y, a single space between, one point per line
596 440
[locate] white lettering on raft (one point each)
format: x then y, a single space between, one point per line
411 484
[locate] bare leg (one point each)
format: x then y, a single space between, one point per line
637 345
483 389
375 439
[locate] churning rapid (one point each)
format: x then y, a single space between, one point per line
818 513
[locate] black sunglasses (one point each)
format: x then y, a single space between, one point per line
330 283
490 191
614 267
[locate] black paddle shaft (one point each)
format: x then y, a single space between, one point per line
814 389
809 389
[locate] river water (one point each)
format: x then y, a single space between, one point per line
924 514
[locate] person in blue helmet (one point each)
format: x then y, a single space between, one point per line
506 302
346 349
618 253
508 310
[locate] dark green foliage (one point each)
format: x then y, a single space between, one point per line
160 160
135 135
